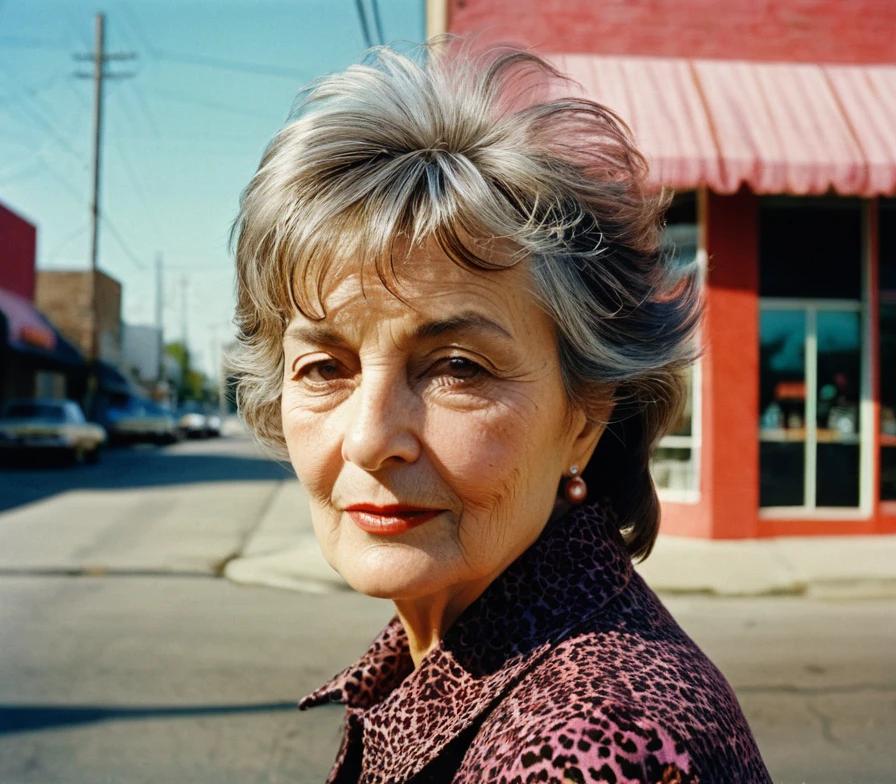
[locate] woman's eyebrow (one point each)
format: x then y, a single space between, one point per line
313 333
317 334
461 322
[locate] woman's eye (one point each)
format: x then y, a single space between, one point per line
460 368
321 372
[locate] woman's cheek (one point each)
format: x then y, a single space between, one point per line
312 444
479 455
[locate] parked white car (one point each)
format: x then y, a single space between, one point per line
141 420
192 421
49 426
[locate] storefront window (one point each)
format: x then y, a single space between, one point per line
810 248
839 345
675 462
888 350
810 353
782 424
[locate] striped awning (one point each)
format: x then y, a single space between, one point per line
27 330
792 128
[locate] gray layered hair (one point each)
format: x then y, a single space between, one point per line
481 153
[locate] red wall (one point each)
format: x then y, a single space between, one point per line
729 476
794 30
18 248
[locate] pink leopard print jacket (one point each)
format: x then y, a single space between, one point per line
567 669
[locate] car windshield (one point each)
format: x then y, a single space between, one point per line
46 411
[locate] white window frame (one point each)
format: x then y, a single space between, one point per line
694 441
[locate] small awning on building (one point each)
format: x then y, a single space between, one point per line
111 380
792 128
28 331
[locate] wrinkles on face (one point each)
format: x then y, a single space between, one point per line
450 399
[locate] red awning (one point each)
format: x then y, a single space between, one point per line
29 331
24 324
777 127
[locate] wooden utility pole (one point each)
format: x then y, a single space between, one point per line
184 313
160 370
99 54
99 58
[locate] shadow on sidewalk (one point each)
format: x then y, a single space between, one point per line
123 469
35 718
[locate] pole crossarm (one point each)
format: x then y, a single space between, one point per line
106 75
105 57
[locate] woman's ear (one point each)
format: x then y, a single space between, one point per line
589 427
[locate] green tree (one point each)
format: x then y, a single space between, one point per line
192 384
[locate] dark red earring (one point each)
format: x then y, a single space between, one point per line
576 490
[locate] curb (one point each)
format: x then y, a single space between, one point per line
282 552
822 567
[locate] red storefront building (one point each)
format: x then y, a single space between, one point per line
775 123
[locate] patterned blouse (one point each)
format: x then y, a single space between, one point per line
566 669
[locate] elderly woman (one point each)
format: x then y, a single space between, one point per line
455 317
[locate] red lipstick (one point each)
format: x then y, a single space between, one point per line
391 519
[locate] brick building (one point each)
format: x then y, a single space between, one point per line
775 123
66 297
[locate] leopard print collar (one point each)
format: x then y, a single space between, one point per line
577 565
574 567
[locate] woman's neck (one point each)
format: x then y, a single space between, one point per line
426 619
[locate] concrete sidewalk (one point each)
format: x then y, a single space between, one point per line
282 552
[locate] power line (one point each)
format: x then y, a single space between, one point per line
133 257
33 90
66 240
67 186
31 43
362 18
144 106
137 27
99 58
31 107
186 58
377 22
136 184
135 88
171 95
257 69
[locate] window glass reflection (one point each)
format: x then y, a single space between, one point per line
838 337
888 400
782 401
887 349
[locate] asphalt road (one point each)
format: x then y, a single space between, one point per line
125 658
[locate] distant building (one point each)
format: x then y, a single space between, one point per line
66 297
18 246
35 359
141 352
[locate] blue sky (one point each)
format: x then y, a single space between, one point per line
213 80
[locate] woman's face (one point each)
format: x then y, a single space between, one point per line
431 433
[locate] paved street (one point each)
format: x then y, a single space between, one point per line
125 658
185 508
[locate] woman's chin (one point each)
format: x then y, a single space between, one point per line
394 573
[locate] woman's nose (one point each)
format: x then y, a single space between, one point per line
380 431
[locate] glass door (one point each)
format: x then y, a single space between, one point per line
810 382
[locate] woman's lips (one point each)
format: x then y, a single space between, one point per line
389 520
